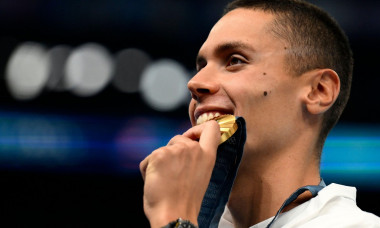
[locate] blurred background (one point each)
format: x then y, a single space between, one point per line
89 88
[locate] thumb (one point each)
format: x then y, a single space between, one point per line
208 135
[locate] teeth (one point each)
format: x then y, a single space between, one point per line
206 117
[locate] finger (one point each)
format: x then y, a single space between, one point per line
210 137
195 132
207 133
143 166
178 138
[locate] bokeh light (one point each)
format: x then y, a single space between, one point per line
164 85
57 57
27 71
88 69
130 63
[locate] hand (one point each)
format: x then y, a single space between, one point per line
176 176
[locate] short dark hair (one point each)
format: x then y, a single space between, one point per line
316 41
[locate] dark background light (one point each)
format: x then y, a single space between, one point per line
69 158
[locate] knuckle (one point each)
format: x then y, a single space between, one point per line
159 154
185 146
177 136
179 147
175 139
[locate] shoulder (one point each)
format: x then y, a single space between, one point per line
334 206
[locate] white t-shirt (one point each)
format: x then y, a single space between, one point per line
334 206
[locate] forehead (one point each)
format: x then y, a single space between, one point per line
241 25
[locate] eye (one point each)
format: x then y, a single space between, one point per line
235 60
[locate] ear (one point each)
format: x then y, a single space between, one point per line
323 86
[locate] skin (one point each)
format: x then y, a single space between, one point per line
237 64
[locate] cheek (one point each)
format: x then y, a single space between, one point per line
254 96
191 111
252 91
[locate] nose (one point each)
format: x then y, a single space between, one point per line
202 84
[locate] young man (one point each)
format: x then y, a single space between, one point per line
284 66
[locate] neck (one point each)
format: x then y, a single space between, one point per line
264 182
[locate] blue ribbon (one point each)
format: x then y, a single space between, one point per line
227 162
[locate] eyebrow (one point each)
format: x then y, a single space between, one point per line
224 47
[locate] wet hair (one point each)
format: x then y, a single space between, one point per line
315 41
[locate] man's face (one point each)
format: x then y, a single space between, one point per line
241 71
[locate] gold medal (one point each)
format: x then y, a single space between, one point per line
227 125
